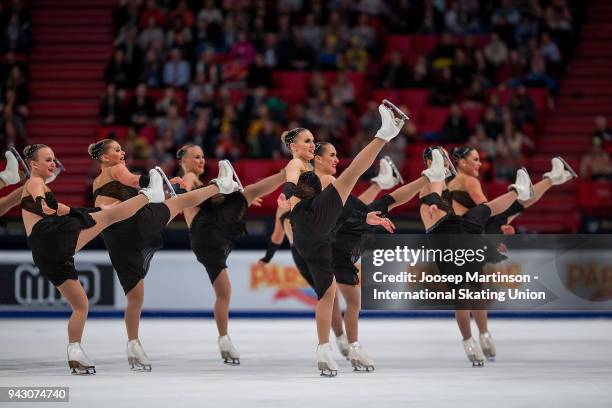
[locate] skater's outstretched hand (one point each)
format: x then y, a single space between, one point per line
179 181
508 229
374 218
283 202
257 202
46 209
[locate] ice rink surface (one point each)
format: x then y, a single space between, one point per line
419 363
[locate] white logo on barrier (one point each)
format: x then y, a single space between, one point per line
32 289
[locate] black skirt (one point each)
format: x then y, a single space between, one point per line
132 243
53 242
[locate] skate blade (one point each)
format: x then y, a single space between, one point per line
235 176
325 370
77 368
228 359
135 365
166 181
449 169
568 167
475 362
396 171
396 111
361 367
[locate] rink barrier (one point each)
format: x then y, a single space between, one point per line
177 286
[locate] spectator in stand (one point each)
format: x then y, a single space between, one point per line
331 126
141 107
210 13
269 52
355 57
179 36
538 76
208 65
242 49
182 10
257 33
420 73
491 124
12 119
526 31
496 51
549 50
177 71
152 70
18 83
226 147
266 143
175 122
136 146
344 90
329 57
151 10
443 54
117 70
112 111
364 31
370 119
595 164
462 70
602 130
510 148
481 142
259 73
453 18
455 128
429 24
164 150
301 56
16 36
396 73
312 32
152 33
162 106
128 42
508 12
11 61
514 69
522 107
475 95
444 91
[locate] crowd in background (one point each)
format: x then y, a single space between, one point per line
200 53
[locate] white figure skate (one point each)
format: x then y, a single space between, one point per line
325 361
229 354
137 358
78 361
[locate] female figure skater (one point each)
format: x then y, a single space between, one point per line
315 211
214 227
439 218
56 232
131 244
466 193
325 163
